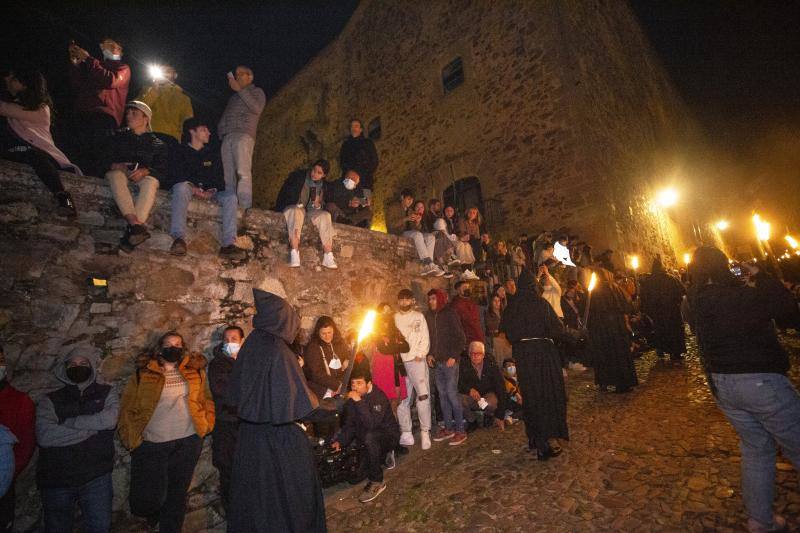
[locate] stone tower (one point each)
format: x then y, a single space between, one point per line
546 114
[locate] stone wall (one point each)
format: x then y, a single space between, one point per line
48 307
565 116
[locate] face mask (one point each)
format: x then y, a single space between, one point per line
79 374
349 184
172 354
231 348
512 371
112 57
335 364
405 308
3 370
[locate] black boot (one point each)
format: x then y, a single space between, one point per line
66 207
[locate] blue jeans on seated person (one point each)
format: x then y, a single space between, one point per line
94 499
449 399
763 409
182 196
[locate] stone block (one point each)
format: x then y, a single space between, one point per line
58 233
167 283
243 292
346 251
98 308
54 315
91 218
17 212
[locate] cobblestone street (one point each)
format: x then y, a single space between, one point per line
662 458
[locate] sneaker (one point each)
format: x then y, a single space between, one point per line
406 439
437 271
124 245
371 491
454 261
448 274
327 261
232 252
390 461
509 420
577 367
178 247
444 435
428 269
137 234
425 439
458 438
468 275
294 258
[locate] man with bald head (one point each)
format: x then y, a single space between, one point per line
237 129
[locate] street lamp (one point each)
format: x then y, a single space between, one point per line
792 242
667 197
722 225
687 258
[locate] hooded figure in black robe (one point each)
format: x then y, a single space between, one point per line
609 336
274 482
532 326
661 296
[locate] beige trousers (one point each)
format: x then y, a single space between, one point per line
148 187
321 219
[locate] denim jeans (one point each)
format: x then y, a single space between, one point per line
764 409
182 196
94 499
423 242
237 165
447 385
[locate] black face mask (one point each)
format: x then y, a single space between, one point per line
79 374
172 354
405 308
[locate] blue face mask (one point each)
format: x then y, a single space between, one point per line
512 371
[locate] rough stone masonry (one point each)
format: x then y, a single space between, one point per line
49 307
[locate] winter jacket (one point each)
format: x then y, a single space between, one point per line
359 154
414 328
17 413
143 390
447 335
470 317
242 112
317 357
75 431
372 412
33 127
202 168
101 87
146 149
336 192
490 380
219 374
291 192
171 108
735 329
396 223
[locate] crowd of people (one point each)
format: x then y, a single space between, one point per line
522 315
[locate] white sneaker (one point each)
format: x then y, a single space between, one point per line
406 439
437 271
294 258
428 269
328 261
455 261
425 439
469 274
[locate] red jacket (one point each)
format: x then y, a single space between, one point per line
101 86
470 317
17 414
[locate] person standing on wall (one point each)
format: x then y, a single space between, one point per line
237 130
358 153
171 106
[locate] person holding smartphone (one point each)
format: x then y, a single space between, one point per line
196 172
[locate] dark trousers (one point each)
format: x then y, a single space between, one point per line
94 499
43 165
91 133
161 473
223 447
377 443
7 510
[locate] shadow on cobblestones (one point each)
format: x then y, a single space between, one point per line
661 458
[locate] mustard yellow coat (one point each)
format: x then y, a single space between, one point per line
171 107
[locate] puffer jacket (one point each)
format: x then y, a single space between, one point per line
141 395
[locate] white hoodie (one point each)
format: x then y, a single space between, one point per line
415 330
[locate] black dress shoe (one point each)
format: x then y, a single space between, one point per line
137 234
66 206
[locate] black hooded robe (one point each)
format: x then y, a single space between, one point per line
609 338
274 483
662 296
531 325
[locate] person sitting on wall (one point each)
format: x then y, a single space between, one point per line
226 425
402 220
481 387
358 153
347 201
196 172
75 430
369 421
136 155
303 194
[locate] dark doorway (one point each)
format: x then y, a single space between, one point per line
463 194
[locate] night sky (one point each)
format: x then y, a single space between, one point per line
736 64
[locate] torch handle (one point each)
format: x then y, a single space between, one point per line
349 369
586 311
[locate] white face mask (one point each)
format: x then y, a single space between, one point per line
349 184
113 57
232 348
335 364
3 370
512 371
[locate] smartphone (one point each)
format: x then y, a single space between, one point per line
231 76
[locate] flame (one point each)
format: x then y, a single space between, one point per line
762 228
592 282
366 325
635 262
687 258
792 242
